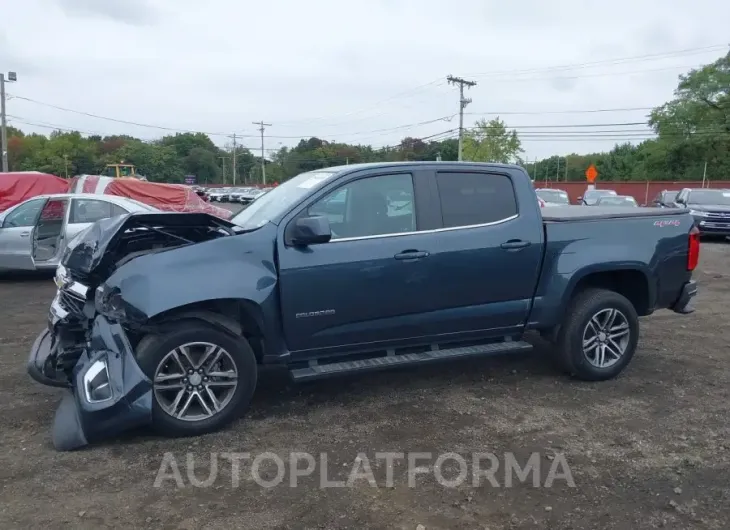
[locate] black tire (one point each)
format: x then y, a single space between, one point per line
153 348
569 346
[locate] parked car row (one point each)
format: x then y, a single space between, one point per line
709 207
558 197
245 195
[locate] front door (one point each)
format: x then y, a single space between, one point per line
367 284
48 235
15 232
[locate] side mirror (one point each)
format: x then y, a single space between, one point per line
311 231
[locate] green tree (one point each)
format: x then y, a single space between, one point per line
490 141
161 163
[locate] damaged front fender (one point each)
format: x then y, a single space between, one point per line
235 268
82 417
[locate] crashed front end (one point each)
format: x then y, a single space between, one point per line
92 357
85 347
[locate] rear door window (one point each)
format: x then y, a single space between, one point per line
472 198
89 210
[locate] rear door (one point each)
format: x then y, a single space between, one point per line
48 236
485 265
15 235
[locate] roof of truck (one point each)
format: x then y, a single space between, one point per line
368 165
558 214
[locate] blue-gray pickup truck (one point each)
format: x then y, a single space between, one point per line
163 319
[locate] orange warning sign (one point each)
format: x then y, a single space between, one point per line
591 173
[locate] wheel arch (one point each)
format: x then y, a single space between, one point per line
238 316
632 282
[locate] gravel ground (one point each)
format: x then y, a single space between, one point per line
648 450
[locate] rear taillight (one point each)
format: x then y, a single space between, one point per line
693 256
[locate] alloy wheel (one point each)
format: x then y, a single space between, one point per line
606 338
195 381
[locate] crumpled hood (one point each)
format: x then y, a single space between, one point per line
87 250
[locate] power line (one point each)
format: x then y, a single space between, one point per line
434 82
605 62
537 113
564 67
107 118
599 74
221 134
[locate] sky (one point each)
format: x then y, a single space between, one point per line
366 72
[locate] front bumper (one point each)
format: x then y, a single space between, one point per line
713 227
683 303
79 420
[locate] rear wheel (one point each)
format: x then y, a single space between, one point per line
599 335
203 378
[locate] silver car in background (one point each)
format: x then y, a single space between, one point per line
617 200
553 196
590 197
34 233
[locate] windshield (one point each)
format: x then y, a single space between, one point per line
669 196
709 197
557 196
280 199
594 194
617 201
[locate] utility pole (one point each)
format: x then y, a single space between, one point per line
704 174
12 77
557 172
234 159
223 167
463 102
262 127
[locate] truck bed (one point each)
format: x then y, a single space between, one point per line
562 214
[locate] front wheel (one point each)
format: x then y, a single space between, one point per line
599 335
203 378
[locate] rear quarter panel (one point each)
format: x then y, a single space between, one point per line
657 247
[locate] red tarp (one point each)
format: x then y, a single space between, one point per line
167 197
17 187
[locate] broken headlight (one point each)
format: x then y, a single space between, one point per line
96 382
108 302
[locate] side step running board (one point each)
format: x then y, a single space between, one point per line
319 371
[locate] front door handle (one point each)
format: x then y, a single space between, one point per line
411 254
515 244
24 234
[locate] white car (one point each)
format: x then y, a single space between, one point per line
553 196
617 200
33 233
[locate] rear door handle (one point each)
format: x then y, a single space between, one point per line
515 244
411 254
